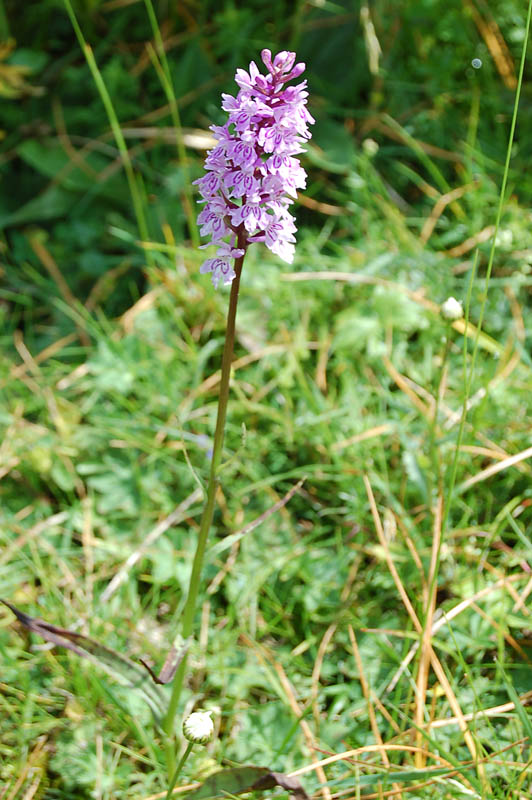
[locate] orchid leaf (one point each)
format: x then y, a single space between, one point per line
246 779
124 670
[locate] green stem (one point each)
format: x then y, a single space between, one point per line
502 196
436 479
134 190
165 75
208 511
178 770
435 476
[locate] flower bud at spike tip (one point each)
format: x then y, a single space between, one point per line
198 727
452 309
252 175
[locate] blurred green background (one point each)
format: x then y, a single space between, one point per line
61 171
109 339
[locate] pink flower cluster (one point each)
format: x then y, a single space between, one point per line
252 175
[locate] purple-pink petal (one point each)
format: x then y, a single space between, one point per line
252 173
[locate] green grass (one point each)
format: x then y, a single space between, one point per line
310 635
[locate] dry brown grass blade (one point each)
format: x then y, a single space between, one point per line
389 561
520 602
485 342
507 583
321 366
491 33
230 561
145 303
172 519
414 553
502 632
430 149
378 430
305 727
380 795
523 563
504 582
367 696
111 5
517 313
19 369
440 206
87 541
494 711
62 134
248 528
493 469
435 663
32 533
485 452
452 772
457 711
369 748
322 208
471 242
327 638
454 417
213 380
30 769
51 267
195 138
426 410
316 671
37 386
386 714
265 656
189 787
426 640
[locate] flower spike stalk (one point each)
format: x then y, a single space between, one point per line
251 180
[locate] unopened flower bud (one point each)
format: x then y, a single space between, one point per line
452 309
198 727
370 147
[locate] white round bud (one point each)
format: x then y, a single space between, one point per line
198 727
370 147
452 309
476 63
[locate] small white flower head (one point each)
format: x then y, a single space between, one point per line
476 63
370 147
452 309
198 727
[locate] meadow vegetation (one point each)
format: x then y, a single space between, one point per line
379 611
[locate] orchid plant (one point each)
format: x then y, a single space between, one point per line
252 177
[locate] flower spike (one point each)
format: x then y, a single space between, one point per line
252 175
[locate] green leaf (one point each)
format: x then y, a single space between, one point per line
245 779
125 671
516 700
